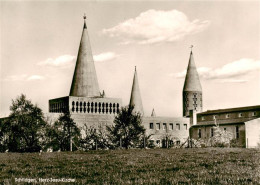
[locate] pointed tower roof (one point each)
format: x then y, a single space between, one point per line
192 81
136 99
85 83
153 113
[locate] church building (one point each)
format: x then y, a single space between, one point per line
88 106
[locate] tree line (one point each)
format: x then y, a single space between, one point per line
27 130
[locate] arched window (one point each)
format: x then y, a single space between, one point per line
91 107
73 106
84 108
99 107
106 107
77 106
88 109
103 107
110 108
80 106
114 106
117 107
95 107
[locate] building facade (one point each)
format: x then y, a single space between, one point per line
174 130
242 122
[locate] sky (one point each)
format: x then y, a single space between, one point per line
39 41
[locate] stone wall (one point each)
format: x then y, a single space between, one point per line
82 119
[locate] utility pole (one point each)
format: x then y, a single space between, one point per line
144 142
70 141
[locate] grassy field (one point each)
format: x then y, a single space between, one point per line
153 166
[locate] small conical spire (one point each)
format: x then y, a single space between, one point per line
192 81
103 94
84 82
153 113
136 99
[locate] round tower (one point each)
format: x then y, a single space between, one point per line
192 91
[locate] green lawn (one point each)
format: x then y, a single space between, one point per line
136 166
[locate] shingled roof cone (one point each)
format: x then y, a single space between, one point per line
136 99
85 83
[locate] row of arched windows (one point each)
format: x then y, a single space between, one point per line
95 107
58 107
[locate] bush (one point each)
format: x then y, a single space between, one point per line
236 144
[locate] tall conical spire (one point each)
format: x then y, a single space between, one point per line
192 91
192 81
136 99
85 81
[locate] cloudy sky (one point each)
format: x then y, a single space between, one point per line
39 43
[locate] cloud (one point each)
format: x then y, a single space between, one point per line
155 26
35 77
231 72
61 61
105 57
24 77
68 60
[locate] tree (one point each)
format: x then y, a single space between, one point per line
63 133
127 129
24 127
221 138
145 141
3 138
169 140
95 138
